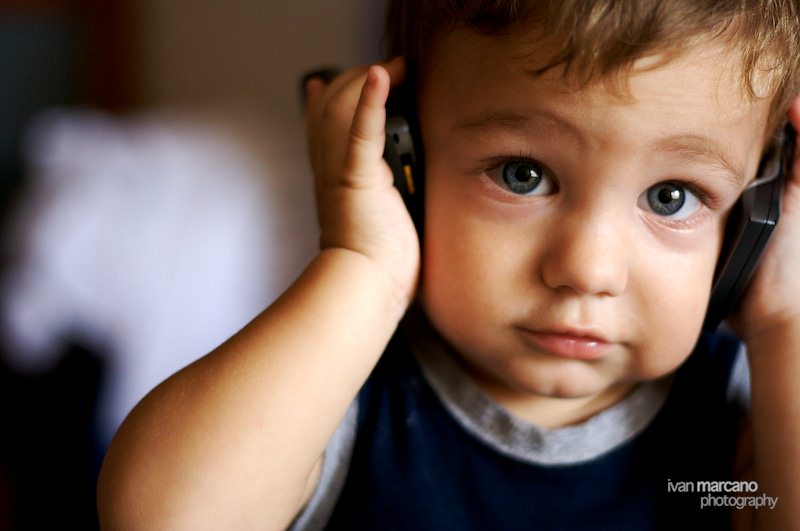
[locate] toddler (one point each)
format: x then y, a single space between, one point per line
581 159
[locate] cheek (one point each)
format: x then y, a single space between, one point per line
465 267
673 310
451 257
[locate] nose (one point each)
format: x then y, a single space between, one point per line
588 252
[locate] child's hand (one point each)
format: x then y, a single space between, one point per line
773 298
359 208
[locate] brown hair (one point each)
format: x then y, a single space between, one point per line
600 39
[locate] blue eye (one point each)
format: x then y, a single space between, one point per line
526 178
670 200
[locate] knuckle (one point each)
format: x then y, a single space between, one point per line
360 134
336 112
339 105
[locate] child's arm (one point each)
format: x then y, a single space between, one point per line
769 322
234 440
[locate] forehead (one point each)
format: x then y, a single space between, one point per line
463 54
470 76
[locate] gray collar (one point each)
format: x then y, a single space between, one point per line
495 426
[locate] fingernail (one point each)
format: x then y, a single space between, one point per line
372 76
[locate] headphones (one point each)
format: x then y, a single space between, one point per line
749 227
747 231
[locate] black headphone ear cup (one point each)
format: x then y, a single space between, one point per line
403 151
400 153
748 230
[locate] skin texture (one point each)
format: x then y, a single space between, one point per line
585 254
558 304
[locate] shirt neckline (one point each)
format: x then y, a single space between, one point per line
494 425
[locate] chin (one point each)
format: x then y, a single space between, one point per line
567 390
573 382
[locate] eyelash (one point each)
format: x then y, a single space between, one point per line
493 164
707 197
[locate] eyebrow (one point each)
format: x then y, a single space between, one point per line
503 119
687 147
694 147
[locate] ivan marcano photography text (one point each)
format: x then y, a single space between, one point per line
737 494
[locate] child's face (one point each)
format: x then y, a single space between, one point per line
614 225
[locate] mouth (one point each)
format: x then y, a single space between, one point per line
569 343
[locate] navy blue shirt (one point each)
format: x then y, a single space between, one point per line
415 467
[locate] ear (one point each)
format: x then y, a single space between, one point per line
794 113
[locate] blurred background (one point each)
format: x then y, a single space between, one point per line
154 196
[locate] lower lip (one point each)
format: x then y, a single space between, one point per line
569 346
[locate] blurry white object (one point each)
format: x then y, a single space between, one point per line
156 236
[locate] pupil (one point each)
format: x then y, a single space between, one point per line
666 195
666 199
522 177
525 174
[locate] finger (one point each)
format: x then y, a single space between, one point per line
329 115
347 87
325 75
367 133
314 88
320 103
340 88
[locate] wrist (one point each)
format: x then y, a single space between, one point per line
781 339
360 271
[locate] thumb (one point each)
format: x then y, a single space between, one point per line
367 132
